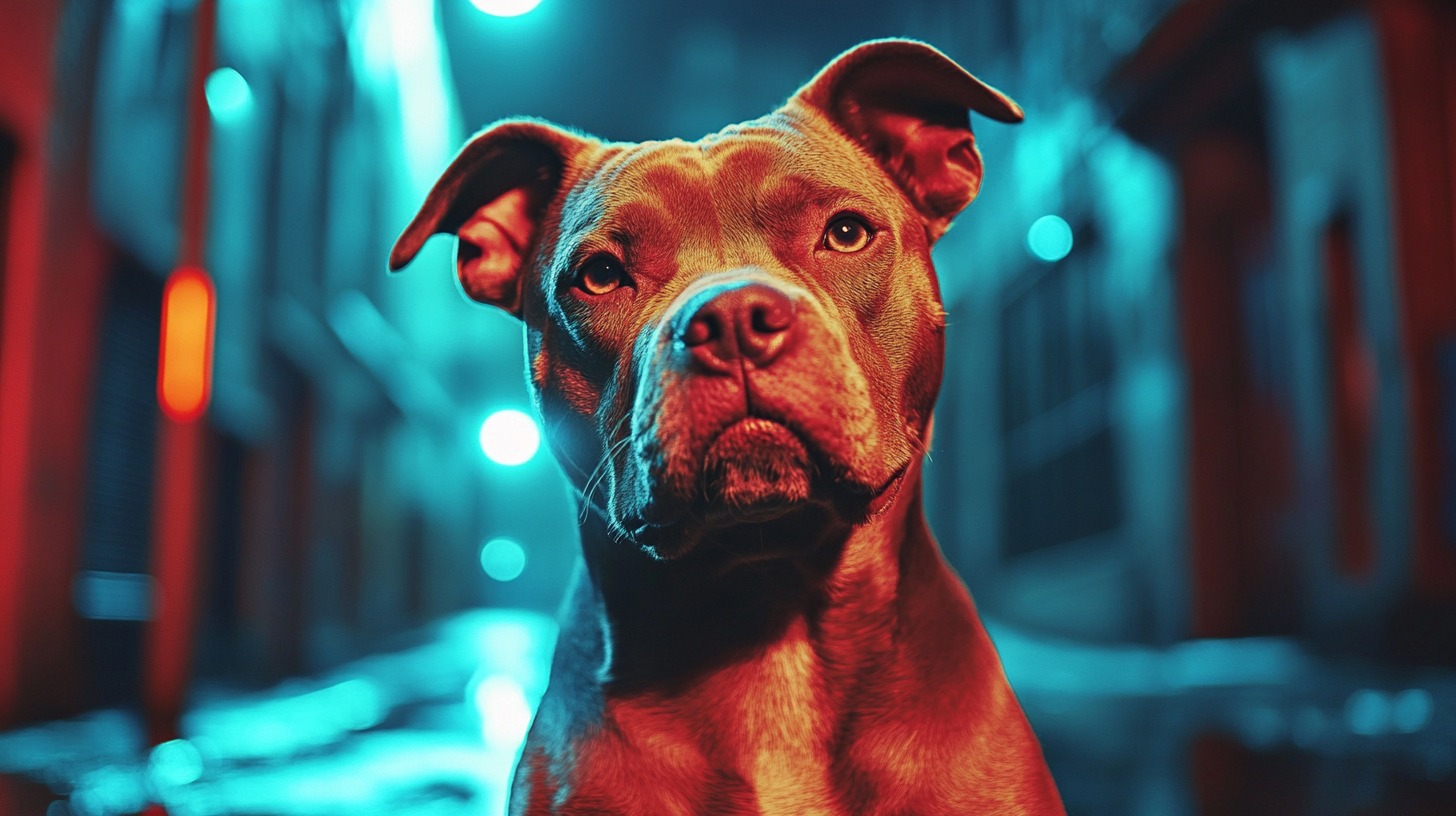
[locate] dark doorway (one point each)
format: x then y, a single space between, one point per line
113 590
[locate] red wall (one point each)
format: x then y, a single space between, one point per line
53 277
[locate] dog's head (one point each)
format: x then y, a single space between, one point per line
739 330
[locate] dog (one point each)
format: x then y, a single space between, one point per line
737 343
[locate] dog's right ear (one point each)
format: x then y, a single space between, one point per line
492 197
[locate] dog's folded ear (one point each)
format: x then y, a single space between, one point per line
908 105
492 197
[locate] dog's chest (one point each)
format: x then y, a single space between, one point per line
781 705
758 731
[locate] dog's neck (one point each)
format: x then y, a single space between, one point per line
665 626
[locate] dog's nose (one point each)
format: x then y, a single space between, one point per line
747 322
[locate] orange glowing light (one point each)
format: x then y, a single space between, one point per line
184 372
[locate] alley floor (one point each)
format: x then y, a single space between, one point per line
1246 726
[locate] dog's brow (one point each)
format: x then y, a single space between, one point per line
809 190
654 199
791 197
582 211
589 203
636 225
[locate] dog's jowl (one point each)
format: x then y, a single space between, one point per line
738 343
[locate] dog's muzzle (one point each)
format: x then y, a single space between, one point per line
749 408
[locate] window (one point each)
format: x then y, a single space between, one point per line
113 590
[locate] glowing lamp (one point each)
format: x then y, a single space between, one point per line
509 437
175 763
228 95
1050 238
184 370
503 559
505 8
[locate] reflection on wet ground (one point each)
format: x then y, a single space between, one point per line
1247 726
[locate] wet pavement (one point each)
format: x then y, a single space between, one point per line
1246 726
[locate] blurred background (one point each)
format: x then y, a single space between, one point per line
1195 454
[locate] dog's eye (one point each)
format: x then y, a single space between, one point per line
846 233
600 274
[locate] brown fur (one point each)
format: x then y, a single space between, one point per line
763 622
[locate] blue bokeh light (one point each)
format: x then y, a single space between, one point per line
177 762
509 437
1367 712
503 559
505 8
229 96
1411 710
1050 238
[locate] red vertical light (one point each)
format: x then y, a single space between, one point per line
184 372
184 383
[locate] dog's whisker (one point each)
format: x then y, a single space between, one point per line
603 461
920 446
599 475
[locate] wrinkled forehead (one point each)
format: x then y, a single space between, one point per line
744 171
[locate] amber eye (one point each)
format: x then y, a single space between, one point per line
846 233
601 274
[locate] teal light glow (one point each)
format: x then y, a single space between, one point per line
509 437
1411 710
174 763
505 8
503 559
505 712
1050 238
1367 712
228 95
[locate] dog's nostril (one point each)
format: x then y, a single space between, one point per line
703 328
772 317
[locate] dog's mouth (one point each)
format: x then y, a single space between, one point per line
759 478
756 470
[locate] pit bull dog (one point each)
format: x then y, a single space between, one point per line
735 344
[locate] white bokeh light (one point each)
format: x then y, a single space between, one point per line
505 713
228 95
505 8
509 437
